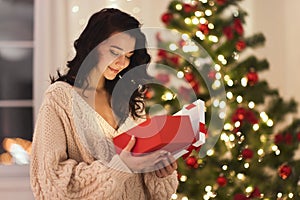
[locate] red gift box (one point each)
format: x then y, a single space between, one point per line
170 133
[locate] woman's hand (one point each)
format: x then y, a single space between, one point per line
166 167
145 163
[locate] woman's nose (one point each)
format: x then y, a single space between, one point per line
121 61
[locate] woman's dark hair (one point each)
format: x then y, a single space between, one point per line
100 27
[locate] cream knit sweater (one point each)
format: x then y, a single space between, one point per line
72 159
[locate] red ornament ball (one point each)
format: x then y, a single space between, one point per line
288 138
187 8
255 193
163 78
240 45
252 78
240 197
166 18
284 171
221 2
238 27
149 93
175 59
212 75
222 181
162 53
228 32
247 153
189 76
191 161
298 136
204 28
239 115
278 138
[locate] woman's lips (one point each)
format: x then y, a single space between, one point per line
113 70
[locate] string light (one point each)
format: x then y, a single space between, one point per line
246 165
180 74
235 55
264 116
178 7
224 167
279 194
251 104
211 26
222 115
255 127
216 84
198 14
224 137
183 178
216 103
210 152
291 195
239 99
222 104
208 12
202 20
187 21
211 3
240 176
226 78
249 189
244 81
274 148
184 198
236 13
214 39
173 47
217 67
167 96
195 21
200 35
185 37
208 188
270 123
228 127
260 152
229 95
190 48
174 196
75 9
263 138
221 58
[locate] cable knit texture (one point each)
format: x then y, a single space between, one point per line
73 156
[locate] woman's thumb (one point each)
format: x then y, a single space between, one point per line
130 144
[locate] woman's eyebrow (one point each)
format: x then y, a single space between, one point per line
114 46
117 47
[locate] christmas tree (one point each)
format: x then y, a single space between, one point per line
252 158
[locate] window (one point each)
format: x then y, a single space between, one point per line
16 65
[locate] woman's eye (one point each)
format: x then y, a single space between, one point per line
114 53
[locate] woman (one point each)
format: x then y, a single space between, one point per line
72 155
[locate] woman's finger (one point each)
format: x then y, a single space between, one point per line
130 144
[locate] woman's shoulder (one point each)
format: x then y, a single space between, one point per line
59 85
60 92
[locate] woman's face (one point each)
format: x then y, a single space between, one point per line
115 53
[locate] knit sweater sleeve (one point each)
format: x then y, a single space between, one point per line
161 188
55 176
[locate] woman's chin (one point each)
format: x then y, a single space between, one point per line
111 77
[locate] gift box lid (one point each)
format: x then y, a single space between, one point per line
171 133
